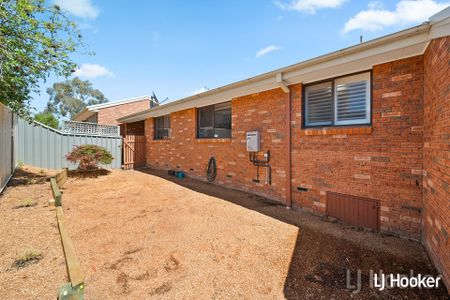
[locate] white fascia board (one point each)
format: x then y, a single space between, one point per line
228 95
406 43
440 28
360 61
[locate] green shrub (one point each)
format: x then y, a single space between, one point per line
89 156
47 118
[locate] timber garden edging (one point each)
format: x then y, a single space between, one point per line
74 289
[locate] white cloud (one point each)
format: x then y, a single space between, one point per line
92 71
406 12
266 50
79 8
309 6
376 4
199 91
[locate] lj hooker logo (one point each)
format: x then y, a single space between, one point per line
383 281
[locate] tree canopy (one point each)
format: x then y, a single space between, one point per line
70 97
47 118
35 41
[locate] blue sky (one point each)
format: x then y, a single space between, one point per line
176 48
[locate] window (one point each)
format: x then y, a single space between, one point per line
340 101
214 121
162 127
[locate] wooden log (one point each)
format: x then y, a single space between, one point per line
61 177
56 192
73 266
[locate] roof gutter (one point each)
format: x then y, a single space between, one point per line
279 76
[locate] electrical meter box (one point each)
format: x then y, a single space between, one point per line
253 141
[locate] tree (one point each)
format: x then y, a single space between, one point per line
47 118
35 41
70 97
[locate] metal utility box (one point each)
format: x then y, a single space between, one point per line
253 141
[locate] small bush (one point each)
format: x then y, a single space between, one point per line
27 202
89 156
20 164
27 258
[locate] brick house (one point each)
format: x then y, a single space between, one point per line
108 113
367 123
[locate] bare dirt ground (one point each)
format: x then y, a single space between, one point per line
142 234
27 224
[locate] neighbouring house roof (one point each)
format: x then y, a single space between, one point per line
402 44
90 110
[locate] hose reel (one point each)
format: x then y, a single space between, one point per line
211 169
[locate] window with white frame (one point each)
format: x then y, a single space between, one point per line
341 101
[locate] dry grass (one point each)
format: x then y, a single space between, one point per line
28 257
27 202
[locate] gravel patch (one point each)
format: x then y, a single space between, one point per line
143 235
32 264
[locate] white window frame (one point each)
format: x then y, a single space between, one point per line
363 76
318 86
349 79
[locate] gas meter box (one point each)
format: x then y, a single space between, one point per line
253 141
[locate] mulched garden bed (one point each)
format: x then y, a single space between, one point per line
88 173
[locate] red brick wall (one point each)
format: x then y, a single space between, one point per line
383 161
263 111
109 115
436 160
